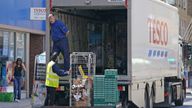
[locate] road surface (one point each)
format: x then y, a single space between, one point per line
187 103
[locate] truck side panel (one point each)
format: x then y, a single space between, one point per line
154 34
154 40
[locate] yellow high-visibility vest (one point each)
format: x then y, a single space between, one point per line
52 79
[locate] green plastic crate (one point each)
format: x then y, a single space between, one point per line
99 101
107 105
118 95
111 72
99 89
102 86
111 76
100 105
110 99
112 86
6 97
2 95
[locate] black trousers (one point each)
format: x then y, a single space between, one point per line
50 97
63 46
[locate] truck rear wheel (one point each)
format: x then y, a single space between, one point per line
181 100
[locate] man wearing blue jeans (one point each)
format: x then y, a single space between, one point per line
59 33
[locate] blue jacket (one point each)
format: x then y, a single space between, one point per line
58 30
58 71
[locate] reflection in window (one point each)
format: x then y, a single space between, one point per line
7 44
1 43
20 47
12 45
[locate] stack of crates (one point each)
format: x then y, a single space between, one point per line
106 89
110 84
99 95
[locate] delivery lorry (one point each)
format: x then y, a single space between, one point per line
137 37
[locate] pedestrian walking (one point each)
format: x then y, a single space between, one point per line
18 68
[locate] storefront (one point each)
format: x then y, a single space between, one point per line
21 36
12 44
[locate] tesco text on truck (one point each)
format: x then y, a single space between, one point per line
158 31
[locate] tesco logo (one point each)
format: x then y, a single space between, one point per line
39 11
158 31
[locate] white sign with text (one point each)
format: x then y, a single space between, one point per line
37 13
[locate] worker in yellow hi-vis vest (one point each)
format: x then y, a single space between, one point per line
52 80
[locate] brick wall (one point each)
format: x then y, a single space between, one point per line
36 47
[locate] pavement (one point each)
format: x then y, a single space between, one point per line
24 103
189 90
187 103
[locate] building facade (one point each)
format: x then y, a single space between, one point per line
185 18
185 14
22 36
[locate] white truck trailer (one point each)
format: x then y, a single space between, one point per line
137 37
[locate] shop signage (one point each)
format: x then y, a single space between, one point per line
41 59
37 13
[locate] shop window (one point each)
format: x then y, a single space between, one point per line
1 43
12 45
20 45
7 45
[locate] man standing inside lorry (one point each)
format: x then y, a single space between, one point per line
52 80
59 33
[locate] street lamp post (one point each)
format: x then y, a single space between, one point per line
47 37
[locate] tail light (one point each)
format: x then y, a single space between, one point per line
121 88
166 94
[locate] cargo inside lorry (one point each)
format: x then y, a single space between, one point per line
103 32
